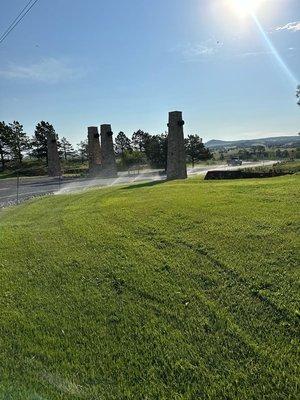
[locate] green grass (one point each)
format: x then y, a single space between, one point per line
179 290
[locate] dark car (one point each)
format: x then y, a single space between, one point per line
234 161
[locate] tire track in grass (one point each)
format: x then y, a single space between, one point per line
251 303
216 319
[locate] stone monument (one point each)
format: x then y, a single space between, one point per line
176 163
94 150
54 168
109 166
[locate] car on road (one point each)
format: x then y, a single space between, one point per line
234 161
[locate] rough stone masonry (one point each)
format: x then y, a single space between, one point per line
94 150
109 166
54 168
176 163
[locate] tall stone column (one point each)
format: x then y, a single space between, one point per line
94 150
176 164
109 165
54 168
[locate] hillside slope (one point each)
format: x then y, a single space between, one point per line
180 290
284 141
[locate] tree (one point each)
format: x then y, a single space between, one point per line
278 153
133 158
298 95
259 151
139 140
82 149
5 141
285 154
66 148
122 144
244 154
195 149
39 142
156 150
19 141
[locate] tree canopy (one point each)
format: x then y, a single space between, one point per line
195 149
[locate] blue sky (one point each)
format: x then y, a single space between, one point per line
129 62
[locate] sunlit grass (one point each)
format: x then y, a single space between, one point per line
179 290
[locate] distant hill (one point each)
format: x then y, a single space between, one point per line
280 141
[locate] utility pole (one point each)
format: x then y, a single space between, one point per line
18 184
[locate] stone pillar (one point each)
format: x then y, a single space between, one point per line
176 164
94 150
54 168
109 165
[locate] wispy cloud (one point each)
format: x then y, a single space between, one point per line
213 49
197 51
291 26
47 70
254 53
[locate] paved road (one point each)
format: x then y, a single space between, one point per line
37 186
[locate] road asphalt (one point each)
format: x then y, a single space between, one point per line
13 192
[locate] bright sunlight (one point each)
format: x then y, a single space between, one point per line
244 7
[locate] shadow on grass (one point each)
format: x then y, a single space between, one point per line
143 184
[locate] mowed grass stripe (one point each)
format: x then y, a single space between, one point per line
179 290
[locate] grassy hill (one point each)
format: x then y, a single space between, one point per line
179 290
280 141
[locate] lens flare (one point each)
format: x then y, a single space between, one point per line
275 53
248 9
244 8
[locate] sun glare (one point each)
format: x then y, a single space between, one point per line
244 8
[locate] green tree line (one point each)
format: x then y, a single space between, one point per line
142 148
15 143
153 149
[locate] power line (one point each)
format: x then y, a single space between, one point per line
18 19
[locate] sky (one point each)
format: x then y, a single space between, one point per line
129 62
